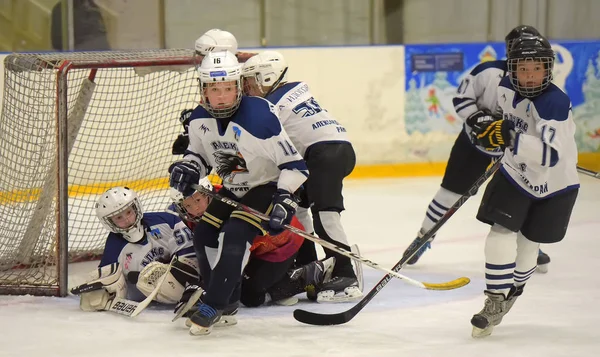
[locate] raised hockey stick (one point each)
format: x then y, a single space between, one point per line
584 171
454 284
313 318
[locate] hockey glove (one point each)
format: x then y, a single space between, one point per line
497 134
184 173
184 118
478 121
284 207
181 144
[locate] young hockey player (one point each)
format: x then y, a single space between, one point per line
530 199
136 250
329 155
212 40
476 98
242 138
268 275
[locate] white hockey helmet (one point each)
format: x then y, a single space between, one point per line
218 67
268 68
216 40
178 200
115 201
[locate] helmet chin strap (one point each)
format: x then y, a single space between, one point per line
277 82
132 235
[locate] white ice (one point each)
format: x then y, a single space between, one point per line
557 316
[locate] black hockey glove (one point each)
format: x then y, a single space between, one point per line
284 207
497 134
184 118
478 121
181 144
184 173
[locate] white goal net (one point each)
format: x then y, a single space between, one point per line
72 126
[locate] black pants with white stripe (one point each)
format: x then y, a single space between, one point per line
328 165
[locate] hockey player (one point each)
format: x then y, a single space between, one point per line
476 98
212 40
137 248
268 275
530 199
242 138
329 155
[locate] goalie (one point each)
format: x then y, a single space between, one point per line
136 250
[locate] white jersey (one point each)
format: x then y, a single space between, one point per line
303 119
478 91
252 150
166 235
543 160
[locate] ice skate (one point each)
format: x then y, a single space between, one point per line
342 287
313 275
203 319
543 261
495 307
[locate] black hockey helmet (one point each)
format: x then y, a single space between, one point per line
519 31
530 64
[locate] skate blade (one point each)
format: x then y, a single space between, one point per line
349 294
197 330
223 322
543 268
287 301
480 333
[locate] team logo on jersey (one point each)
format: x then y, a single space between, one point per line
237 132
229 165
155 232
523 167
204 128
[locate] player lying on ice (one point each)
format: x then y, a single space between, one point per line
269 274
137 252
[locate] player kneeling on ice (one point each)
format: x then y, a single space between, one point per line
242 139
324 144
530 199
136 250
268 276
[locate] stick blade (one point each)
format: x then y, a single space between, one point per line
311 318
450 285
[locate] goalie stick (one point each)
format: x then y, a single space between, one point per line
313 318
588 172
453 284
123 306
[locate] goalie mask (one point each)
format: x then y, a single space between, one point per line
220 79
120 211
530 64
191 208
263 73
215 40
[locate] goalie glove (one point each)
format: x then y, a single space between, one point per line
184 271
110 283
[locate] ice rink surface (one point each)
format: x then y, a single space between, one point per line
558 315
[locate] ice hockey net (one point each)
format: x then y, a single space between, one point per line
73 125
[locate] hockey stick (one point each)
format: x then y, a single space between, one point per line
588 172
123 306
312 318
454 284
